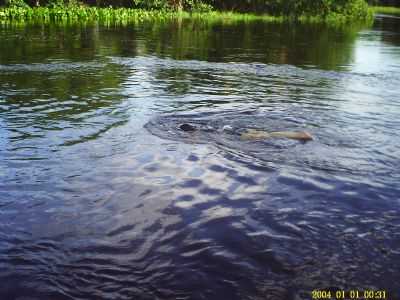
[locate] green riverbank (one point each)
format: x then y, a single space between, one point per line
386 10
124 16
119 16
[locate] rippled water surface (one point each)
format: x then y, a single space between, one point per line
103 197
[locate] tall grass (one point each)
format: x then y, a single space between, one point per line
120 16
124 16
81 14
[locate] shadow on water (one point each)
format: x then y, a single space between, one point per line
102 197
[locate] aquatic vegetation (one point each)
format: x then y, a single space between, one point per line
122 12
79 13
124 16
386 10
272 7
120 16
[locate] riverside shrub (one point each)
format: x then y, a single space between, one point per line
295 8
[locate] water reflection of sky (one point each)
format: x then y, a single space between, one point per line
372 55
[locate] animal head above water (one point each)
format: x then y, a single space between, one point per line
187 127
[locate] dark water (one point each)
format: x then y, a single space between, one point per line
101 197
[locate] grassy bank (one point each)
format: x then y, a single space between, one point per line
124 16
386 10
118 16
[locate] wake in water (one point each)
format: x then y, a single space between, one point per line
243 133
193 130
205 127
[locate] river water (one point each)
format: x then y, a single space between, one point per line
103 197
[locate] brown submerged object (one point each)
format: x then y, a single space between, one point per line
253 134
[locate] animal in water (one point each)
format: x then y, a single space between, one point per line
255 134
187 127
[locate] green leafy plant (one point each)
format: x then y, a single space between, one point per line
138 10
15 3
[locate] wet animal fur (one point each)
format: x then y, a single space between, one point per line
253 134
